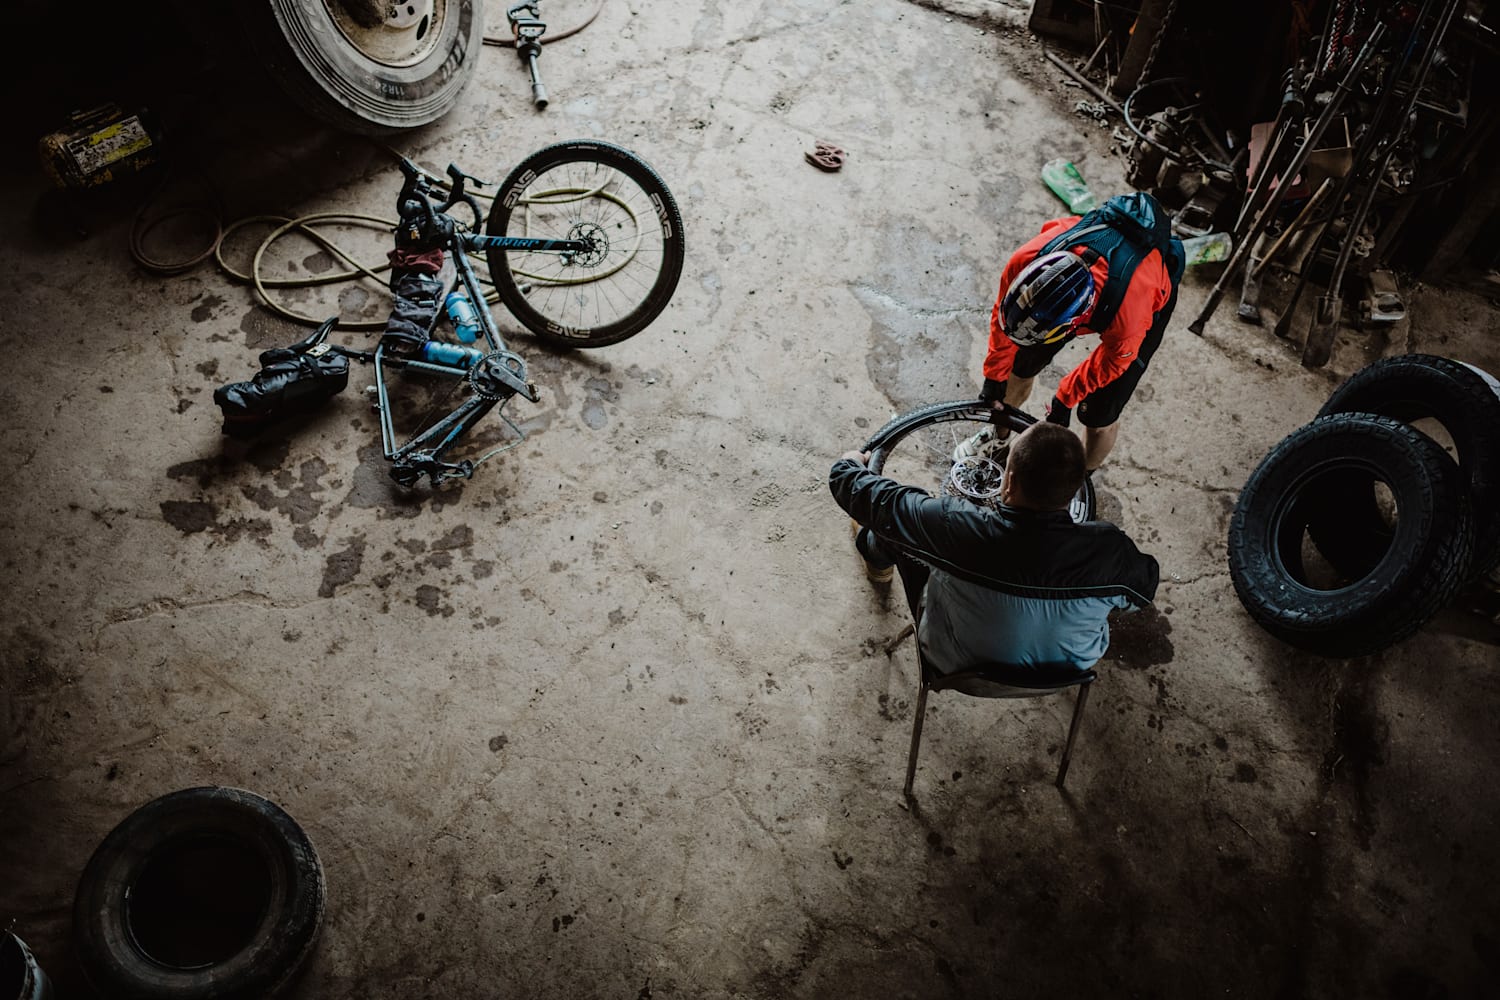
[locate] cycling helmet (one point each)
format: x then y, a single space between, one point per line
1048 297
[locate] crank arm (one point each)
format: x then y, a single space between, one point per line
508 369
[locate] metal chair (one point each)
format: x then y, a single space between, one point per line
994 680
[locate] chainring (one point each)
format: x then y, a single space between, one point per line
484 380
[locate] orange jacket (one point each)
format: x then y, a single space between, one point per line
1150 288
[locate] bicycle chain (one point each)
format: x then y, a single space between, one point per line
1161 32
1335 39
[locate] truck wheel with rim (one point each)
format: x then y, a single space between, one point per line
365 66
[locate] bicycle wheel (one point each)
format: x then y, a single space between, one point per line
917 448
604 194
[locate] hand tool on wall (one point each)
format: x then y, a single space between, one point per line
1268 211
1290 118
1249 309
1377 126
1291 231
1319 345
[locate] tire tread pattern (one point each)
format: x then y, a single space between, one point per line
1465 401
1429 556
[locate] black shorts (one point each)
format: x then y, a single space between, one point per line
1104 405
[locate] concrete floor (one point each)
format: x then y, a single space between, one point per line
613 719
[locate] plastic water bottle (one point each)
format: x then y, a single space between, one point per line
1068 184
465 317
1209 248
440 352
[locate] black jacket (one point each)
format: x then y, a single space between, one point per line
1023 588
1027 553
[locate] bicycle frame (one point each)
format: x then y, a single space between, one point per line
496 377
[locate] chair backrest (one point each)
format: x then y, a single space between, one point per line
989 680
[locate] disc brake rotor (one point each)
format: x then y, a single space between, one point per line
977 479
598 241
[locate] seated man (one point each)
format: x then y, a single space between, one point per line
1022 584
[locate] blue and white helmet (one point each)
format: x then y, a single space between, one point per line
1048 297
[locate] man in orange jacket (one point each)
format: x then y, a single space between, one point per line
1114 273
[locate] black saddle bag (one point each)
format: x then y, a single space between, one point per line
292 381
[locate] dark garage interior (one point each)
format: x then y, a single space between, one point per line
594 697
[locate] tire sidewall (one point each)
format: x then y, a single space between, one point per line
665 206
1465 400
1400 590
110 957
353 91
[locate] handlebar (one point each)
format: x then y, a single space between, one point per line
456 193
415 202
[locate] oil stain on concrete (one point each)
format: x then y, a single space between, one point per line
343 566
189 516
296 501
598 392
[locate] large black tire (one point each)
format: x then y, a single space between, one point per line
915 448
1297 483
615 291
369 80
1466 401
203 894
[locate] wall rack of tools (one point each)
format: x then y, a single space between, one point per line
1359 159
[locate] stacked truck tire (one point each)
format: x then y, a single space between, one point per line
1360 526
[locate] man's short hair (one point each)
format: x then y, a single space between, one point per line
1046 466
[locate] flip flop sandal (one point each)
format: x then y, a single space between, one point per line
828 157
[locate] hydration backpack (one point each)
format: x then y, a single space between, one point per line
1124 230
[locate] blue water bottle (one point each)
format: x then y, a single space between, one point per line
465 317
441 352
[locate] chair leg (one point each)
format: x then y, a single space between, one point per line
916 738
1062 768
